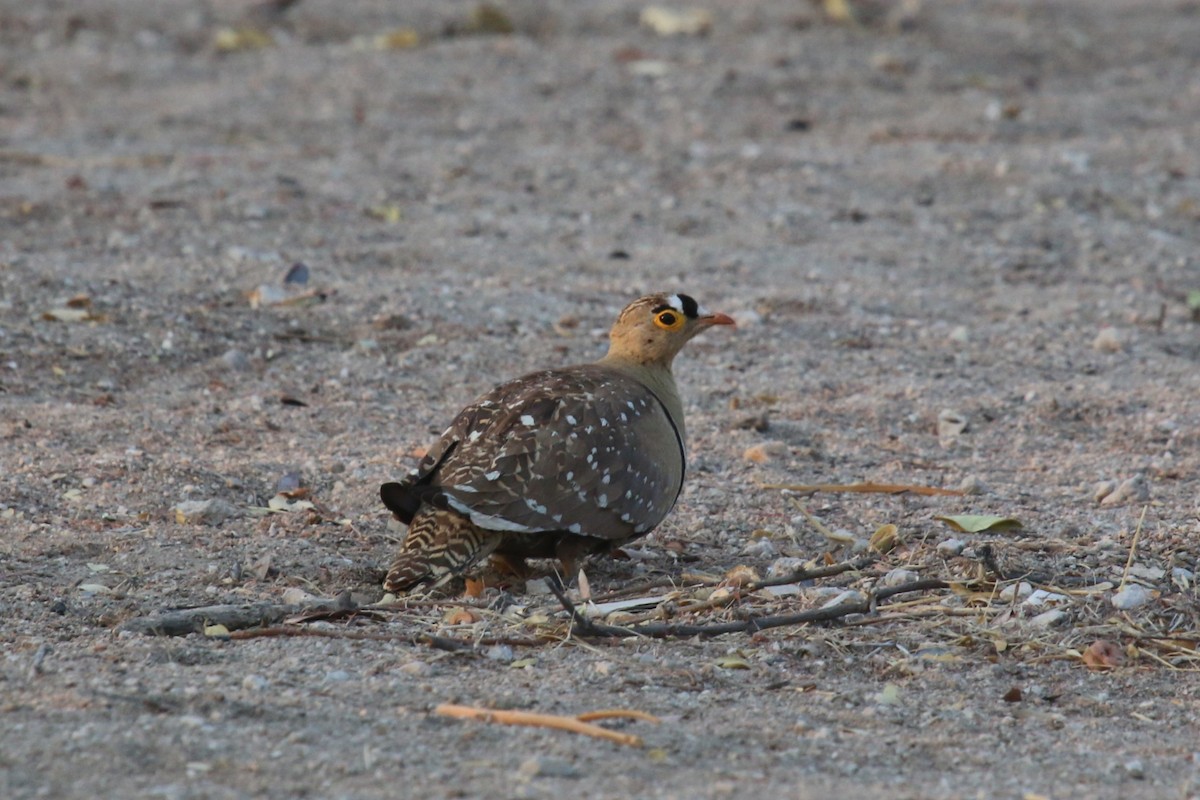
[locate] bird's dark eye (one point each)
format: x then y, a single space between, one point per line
668 320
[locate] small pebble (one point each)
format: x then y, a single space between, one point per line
785 566
849 596
950 423
1103 489
294 595
765 451
1134 489
1041 597
971 485
235 360
1108 340
416 669
951 547
761 548
1183 578
960 334
255 683
1133 596
545 767
500 652
289 482
203 512
1135 769
1016 591
1048 619
537 586
337 676
899 576
1146 572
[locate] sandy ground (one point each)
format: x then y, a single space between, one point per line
990 208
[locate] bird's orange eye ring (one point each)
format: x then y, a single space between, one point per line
669 320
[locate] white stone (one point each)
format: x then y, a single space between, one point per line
1016 591
951 547
1133 596
899 576
1047 619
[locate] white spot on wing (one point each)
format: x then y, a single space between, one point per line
474 437
571 420
527 420
493 475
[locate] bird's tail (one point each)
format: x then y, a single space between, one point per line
440 546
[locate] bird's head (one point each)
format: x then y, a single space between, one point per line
653 329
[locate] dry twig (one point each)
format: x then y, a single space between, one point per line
573 724
668 630
436 642
863 488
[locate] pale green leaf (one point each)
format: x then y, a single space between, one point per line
977 523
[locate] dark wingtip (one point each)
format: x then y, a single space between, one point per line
399 501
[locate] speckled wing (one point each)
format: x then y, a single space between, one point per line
584 450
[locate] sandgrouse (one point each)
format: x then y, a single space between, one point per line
559 463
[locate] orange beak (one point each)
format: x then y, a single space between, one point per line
717 319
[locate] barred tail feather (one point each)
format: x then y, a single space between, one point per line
440 546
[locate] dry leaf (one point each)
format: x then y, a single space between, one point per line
732 662
281 502
977 523
837 11
461 616
740 576
391 214
885 538
1103 654
397 39
890 695
487 18
671 22
71 314
231 40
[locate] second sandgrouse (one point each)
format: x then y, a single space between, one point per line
558 463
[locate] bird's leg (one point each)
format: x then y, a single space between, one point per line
440 546
510 564
571 552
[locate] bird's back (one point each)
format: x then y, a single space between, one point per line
586 450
